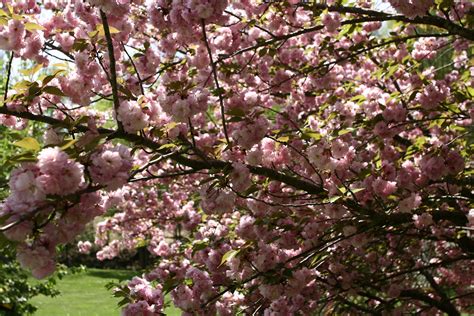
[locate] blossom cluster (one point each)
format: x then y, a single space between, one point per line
110 167
412 8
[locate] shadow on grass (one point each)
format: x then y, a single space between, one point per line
120 275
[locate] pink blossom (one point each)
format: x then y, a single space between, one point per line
454 162
249 134
412 8
384 188
20 231
23 184
132 116
84 247
331 21
433 167
423 220
140 308
59 174
410 203
216 200
111 166
240 177
433 95
470 217
38 259
12 37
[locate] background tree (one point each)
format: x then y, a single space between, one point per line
276 158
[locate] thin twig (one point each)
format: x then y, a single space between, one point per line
140 82
9 71
216 81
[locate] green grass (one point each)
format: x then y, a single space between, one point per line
84 294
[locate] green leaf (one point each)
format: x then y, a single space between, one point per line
53 90
31 71
126 91
69 143
444 4
48 78
140 242
92 34
283 139
123 302
29 26
169 285
332 199
113 30
83 119
313 135
347 29
229 255
3 20
167 146
28 143
81 44
235 119
331 116
345 131
236 112
253 188
101 31
23 157
216 92
392 70
199 245
33 91
170 126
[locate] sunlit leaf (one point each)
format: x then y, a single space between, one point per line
29 26
31 71
28 143
229 255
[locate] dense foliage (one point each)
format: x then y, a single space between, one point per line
15 290
278 158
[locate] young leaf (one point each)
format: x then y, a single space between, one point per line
229 255
69 143
54 90
31 71
29 26
28 143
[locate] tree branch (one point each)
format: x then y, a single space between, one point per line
9 72
140 82
447 308
113 71
177 157
216 81
426 20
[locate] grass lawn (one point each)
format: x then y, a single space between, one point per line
84 294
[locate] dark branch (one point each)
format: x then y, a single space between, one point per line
113 71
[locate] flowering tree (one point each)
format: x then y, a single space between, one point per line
275 158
